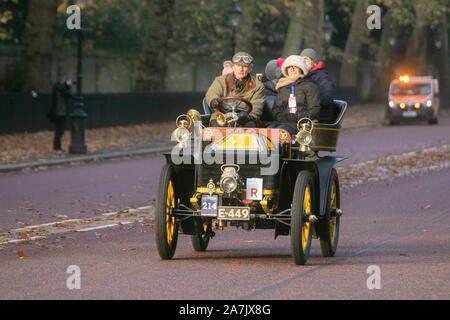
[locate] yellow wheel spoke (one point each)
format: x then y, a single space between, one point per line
170 221
205 228
307 211
333 206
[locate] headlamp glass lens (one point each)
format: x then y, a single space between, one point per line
304 138
229 184
182 135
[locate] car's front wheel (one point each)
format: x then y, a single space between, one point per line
302 205
166 226
330 224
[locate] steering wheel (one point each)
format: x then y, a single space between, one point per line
222 108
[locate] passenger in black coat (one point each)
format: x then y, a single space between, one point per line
326 84
297 85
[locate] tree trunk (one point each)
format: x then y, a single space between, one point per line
152 68
35 62
305 27
296 30
353 45
444 72
385 60
313 36
244 34
416 56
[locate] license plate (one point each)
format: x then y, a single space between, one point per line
233 213
410 114
209 205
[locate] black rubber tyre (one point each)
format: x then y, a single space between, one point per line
393 123
433 121
166 227
303 201
329 226
200 240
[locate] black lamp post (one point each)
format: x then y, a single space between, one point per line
78 116
328 29
392 37
438 44
438 39
235 16
392 41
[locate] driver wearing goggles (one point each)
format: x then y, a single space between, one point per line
241 84
247 59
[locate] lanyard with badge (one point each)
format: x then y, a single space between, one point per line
292 101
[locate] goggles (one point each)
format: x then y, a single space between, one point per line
245 59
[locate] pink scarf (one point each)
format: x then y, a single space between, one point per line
285 81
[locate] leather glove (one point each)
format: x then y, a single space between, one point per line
214 103
304 114
243 118
286 117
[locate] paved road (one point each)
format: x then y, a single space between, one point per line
405 235
401 228
84 191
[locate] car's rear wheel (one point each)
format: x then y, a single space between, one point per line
330 224
301 229
166 226
200 240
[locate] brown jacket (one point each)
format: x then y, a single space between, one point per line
253 91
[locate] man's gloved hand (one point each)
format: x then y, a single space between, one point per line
287 117
214 103
243 118
304 114
292 117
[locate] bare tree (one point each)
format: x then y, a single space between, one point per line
385 57
444 72
152 67
358 32
296 29
314 16
35 62
416 56
244 35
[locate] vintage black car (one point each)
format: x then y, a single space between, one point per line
260 178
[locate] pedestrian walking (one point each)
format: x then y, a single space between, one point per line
61 94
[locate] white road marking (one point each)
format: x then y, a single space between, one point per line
44 225
106 220
103 227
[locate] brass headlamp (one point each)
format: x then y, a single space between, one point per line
184 122
229 179
304 136
182 133
194 115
